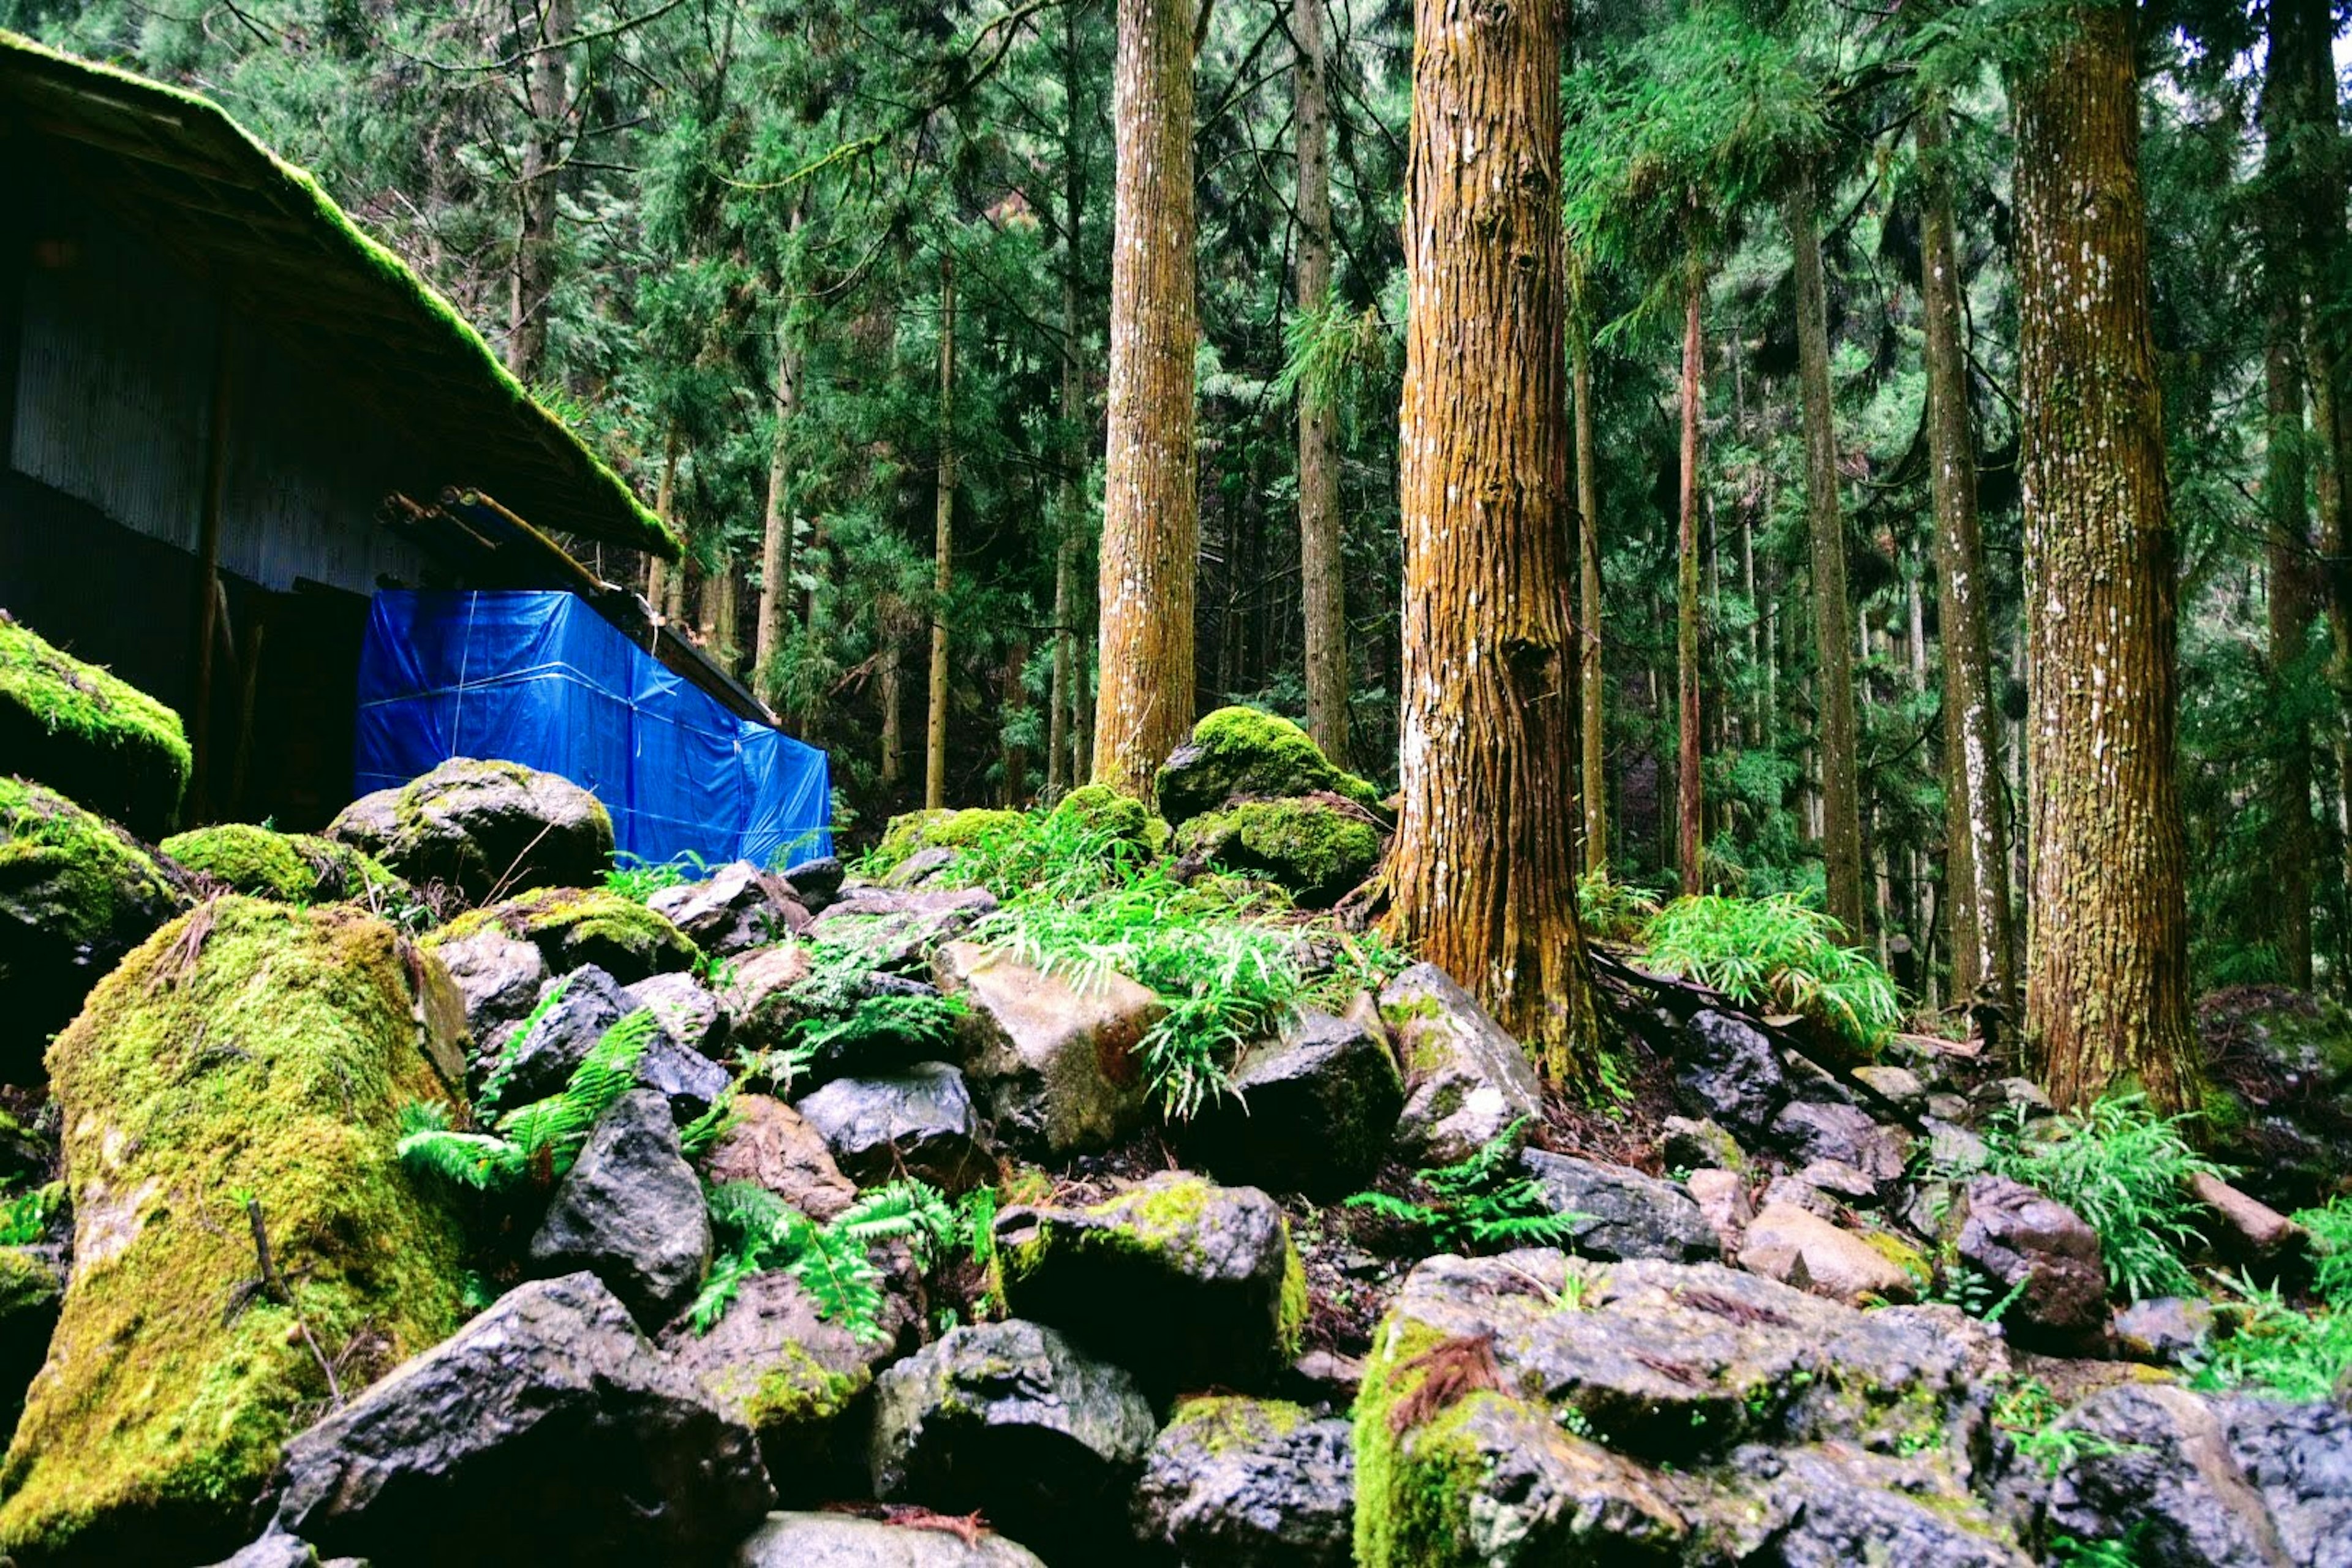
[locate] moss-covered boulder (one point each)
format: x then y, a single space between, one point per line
76 894
482 827
1241 752
246 1067
911 833
1098 809
32 1284
571 927
1316 849
87 734
1537 1408
291 867
1186 1283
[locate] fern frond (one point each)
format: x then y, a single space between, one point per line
475 1160
494 1084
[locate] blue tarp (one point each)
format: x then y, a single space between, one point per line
544 680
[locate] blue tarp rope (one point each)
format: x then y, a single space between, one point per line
544 680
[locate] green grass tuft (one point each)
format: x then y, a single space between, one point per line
1778 954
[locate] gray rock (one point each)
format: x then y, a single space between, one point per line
1624 1404
1315 1111
2018 1095
1179 1280
690 1011
738 907
1800 1248
1055 1064
1838 1180
817 882
278 1551
2166 1331
757 995
691 1081
1688 1144
2153 1467
540 1063
499 975
481 826
1722 1197
1467 1081
845 1541
2018 1237
1012 1420
1898 1084
1832 1506
920 867
1241 1483
631 1213
919 1123
1730 1071
545 1430
1630 1214
1806 1131
2299 1457
799 1381
1797 1193
902 930
771 1145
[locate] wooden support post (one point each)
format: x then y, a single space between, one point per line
210 610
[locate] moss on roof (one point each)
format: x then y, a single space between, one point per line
593 499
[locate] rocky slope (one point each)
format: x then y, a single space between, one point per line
424 1194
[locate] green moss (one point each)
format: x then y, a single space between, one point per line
913 832
1245 751
1221 1423
249 859
1103 809
800 1390
1314 851
80 730
1412 1488
1291 1326
247 1051
71 873
572 926
1902 1255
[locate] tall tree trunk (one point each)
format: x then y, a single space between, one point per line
1483 868
657 571
1151 526
2318 177
547 91
1976 822
1592 739
1061 763
935 727
1825 530
894 729
1322 573
1690 802
2107 1000
1016 702
2285 475
776 525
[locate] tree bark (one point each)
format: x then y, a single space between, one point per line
2317 174
1482 872
894 730
1825 530
548 91
1322 572
1593 738
2108 1002
2285 474
1976 821
1690 800
1143 706
776 525
1061 763
935 727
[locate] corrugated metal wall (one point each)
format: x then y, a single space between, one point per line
117 362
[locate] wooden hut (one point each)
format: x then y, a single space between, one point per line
227 417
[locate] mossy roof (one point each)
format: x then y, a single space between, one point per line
190 179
